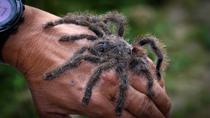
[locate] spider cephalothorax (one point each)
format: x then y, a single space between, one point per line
109 51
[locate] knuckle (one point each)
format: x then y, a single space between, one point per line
146 103
157 91
99 107
99 110
110 78
95 100
144 106
99 113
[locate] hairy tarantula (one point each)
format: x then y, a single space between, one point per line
109 51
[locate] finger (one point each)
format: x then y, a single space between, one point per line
126 114
140 105
160 98
101 107
110 85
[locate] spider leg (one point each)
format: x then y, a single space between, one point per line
148 75
92 19
72 63
79 16
104 27
80 51
140 66
94 78
152 41
67 38
51 24
120 69
71 20
118 19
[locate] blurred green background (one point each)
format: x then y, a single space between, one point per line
183 25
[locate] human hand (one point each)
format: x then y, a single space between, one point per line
36 51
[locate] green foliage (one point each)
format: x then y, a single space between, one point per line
179 24
204 36
15 100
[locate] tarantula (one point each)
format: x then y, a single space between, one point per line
109 51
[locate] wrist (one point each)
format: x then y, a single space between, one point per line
16 42
11 16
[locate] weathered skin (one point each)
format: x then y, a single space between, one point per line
35 51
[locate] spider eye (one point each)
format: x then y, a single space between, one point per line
102 46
